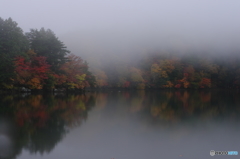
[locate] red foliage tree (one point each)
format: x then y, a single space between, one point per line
205 83
31 72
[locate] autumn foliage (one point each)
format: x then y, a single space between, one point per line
74 72
162 70
31 72
39 60
34 72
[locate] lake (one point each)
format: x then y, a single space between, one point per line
120 125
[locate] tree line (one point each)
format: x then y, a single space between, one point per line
171 70
38 60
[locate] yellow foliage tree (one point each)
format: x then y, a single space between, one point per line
35 83
169 84
81 79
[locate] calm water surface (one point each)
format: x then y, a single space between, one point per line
120 125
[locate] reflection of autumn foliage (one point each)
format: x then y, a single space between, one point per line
183 97
31 112
35 112
136 101
43 120
181 105
205 97
101 100
136 104
126 95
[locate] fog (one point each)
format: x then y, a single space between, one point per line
128 27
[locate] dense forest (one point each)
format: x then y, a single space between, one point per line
171 70
38 60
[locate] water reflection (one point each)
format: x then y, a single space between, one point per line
37 123
196 105
177 106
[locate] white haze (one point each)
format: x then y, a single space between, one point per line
107 27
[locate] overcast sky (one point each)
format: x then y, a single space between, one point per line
128 24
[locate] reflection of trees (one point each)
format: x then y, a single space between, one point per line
43 120
185 105
53 133
136 101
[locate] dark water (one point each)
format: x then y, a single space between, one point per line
120 125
